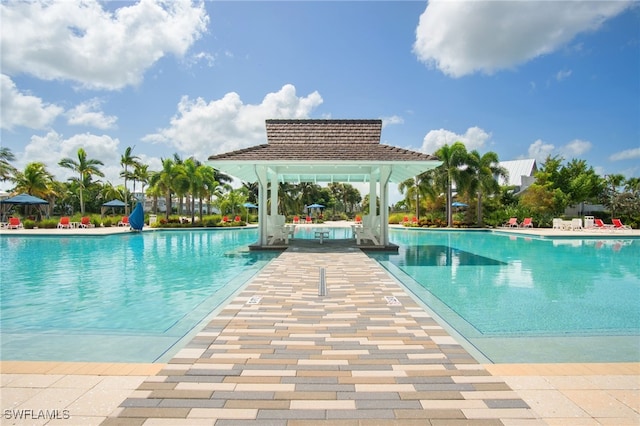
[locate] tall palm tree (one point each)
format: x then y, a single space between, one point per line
126 161
482 173
164 181
449 172
86 168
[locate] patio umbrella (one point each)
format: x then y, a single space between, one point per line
459 204
315 206
249 206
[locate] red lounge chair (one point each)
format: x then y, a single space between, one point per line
124 221
617 224
225 219
309 220
237 219
414 220
64 223
14 223
405 220
513 223
296 219
527 223
358 220
599 224
85 222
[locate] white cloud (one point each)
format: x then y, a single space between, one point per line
463 37
540 151
563 74
394 119
82 42
473 138
53 147
628 154
20 109
89 114
202 128
575 148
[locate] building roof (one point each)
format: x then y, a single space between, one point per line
517 169
324 151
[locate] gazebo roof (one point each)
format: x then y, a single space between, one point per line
324 151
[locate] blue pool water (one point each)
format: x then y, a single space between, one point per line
135 297
125 297
499 289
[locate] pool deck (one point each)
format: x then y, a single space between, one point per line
363 354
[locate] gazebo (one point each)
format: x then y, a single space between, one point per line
324 151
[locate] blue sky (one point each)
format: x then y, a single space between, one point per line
525 79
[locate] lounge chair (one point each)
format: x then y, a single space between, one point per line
237 219
414 220
513 223
527 223
309 220
576 223
14 223
617 224
64 223
599 224
358 220
225 219
405 220
124 221
85 222
296 220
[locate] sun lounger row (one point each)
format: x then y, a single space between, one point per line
513 223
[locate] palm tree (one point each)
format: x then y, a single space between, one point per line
86 168
449 172
6 169
164 181
127 160
482 173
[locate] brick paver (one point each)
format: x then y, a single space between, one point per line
365 353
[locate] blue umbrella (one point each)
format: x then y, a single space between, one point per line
458 204
250 206
315 206
114 203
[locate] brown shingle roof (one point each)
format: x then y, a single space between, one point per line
323 140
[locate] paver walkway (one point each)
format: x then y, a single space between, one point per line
365 353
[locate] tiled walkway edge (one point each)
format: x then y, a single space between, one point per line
366 353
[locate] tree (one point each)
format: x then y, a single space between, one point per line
449 172
482 173
34 180
127 160
6 169
86 168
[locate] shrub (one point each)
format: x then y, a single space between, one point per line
48 223
29 224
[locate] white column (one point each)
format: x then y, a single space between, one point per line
274 194
385 174
262 205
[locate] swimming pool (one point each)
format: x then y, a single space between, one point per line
517 298
136 297
127 297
